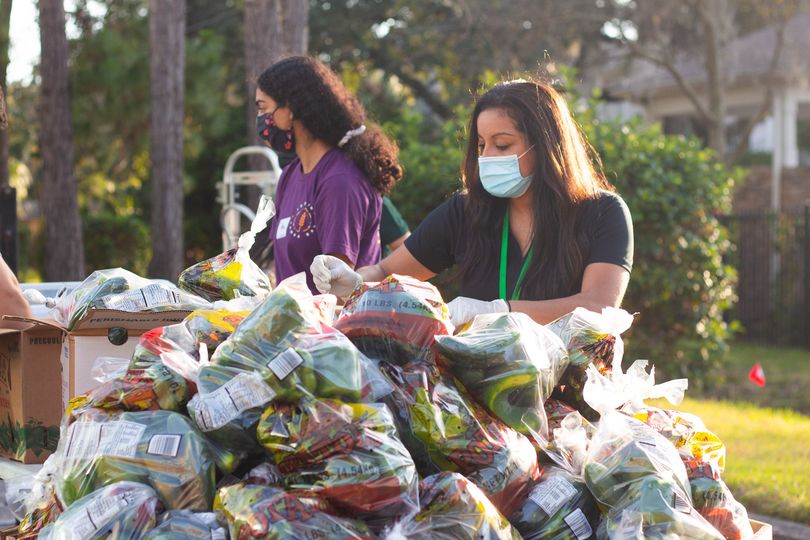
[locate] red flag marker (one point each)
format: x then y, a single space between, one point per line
757 375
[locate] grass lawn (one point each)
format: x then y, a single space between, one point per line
787 372
767 455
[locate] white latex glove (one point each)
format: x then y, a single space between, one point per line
463 309
331 275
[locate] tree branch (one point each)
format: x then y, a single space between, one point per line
439 107
669 66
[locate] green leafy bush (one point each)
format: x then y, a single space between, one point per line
111 241
681 285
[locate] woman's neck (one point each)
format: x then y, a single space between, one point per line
309 149
522 206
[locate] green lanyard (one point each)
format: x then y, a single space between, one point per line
504 249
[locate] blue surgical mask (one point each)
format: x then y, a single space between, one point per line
500 175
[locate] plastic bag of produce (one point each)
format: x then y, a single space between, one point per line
282 351
185 524
122 510
232 274
395 320
347 453
508 363
653 508
120 289
160 376
704 455
256 511
689 434
591 339
212 327
40 506
561 506
159 448
715 502
444 430
452 508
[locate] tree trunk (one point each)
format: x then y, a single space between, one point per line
295 27
263 46
5 24
64 259
167 29
714 15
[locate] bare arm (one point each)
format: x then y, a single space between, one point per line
11 298
603 285
399 262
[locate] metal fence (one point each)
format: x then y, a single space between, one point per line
772 257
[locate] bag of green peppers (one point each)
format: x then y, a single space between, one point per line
591 339
653 507
122 290
162 449
232 274
347 453
559 507
508 363
255 511
395 320
72 307
452 508
185 524
284 350
121 510
444 430
624 451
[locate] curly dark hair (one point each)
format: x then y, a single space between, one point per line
318 99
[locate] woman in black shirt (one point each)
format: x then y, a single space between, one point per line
536 228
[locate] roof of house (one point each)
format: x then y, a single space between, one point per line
748 58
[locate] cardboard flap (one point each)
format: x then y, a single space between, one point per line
47 323
142 320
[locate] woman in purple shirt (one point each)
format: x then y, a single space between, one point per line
328 200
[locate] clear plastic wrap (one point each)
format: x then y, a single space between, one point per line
159 448
560 506
256 511
122 510
704 455
653 508
444 430
282 351
508 363
347 453
591 339
188 525
212 327
116 288
232 274
395 320
452 508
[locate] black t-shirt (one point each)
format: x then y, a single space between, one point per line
440 241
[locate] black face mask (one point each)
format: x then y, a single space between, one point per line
280 140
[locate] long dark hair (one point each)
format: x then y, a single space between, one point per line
564 178
328 110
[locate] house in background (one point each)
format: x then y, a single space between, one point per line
783 138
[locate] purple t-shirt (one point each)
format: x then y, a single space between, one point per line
331 209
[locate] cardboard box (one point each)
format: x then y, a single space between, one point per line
43 366
30 391
105 332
